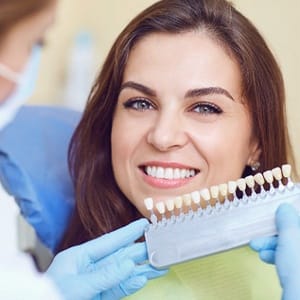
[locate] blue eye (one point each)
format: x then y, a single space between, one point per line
139 104
206 108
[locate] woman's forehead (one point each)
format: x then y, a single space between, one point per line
190 60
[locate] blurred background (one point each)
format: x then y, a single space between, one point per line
85 30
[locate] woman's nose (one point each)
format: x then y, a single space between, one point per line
167 133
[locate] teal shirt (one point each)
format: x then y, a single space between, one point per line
234 275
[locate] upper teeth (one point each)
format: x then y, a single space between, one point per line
169 173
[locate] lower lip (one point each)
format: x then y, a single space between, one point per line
166 183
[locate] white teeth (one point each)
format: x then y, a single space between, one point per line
286 171
160 172
195 197
241 183
277 173
169 173
250 181
259 178
148 203
170 204
161 207
152 171
148 170
183 173
268 176
176 174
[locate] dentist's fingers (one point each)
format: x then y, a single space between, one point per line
110 242
268 256
287 218
264 243
136 252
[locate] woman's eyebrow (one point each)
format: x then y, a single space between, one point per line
208 91
139 87
191 93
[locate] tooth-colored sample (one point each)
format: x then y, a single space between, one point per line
170 204
241 183
187 199
205 194
195 197
223 189
268 175
250 181
148 203
277 173
178 202
214 191
161 207
286 170
231 186
259 179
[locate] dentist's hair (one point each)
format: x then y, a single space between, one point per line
100 204
13 11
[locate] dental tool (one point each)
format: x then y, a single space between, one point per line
218 219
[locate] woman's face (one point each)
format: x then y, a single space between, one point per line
179 124
16 46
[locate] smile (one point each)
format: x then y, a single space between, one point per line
169 173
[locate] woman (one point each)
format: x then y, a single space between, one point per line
107 267
189 96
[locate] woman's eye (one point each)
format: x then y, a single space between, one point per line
206 108
139 104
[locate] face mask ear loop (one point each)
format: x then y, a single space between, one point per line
9 74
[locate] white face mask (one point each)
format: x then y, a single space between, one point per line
25 86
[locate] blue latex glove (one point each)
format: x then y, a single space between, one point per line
109 267
283 250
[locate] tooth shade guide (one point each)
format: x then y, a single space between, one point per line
206 233
226 194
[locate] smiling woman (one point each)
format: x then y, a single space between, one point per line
183 118
189 96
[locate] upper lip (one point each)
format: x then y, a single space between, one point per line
164 164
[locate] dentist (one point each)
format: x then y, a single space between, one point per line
110 267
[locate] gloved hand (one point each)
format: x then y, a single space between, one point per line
109 267
283 250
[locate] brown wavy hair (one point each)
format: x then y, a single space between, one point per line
100 205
